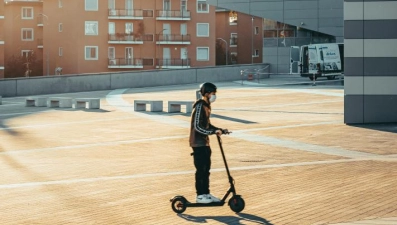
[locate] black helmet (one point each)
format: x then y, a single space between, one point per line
207 88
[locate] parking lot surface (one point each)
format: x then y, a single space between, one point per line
293 159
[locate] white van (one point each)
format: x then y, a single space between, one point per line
322 60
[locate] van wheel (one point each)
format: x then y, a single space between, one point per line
331 77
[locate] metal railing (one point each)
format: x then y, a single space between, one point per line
173 14
130 62
173 37
251 74
173 62
130 37
126 12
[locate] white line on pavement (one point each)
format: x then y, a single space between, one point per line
146 175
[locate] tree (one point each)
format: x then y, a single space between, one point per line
21 66
220 54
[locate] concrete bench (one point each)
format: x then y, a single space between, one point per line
36 101
175 106
88 103
155 106
60 102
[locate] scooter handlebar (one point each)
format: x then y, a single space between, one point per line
226 131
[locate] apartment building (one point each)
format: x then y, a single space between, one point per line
1 41
93 36
240 35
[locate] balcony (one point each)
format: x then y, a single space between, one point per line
134 63
172 15
127 14
121 38
172 39
172 63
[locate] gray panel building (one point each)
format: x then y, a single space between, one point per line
368 29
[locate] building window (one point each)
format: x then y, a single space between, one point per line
203 30
60 51
27 34
60 5
91 52
26 53
91 27
233 18
202 6
233 39
256 31
129 28
111 53
203 54
27 13
256 53
233 57
91 5
60 27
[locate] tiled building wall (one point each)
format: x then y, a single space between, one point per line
370 61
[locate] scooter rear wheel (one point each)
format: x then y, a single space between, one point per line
236 203
178 204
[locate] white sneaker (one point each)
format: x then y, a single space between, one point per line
203 199
213 198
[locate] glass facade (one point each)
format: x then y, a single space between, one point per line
277 34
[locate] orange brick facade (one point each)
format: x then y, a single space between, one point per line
93 36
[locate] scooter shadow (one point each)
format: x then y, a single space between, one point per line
238 219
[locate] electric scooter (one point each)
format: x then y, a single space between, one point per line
236 202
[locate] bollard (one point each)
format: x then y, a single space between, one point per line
242 77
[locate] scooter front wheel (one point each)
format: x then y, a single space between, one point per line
178 204
236 203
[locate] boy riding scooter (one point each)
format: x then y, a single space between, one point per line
200 128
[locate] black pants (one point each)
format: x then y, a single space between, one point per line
202 162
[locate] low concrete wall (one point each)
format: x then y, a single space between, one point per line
111 81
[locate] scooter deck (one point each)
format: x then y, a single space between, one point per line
190 204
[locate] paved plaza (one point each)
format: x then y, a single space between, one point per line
293 159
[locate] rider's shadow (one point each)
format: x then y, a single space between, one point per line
238 219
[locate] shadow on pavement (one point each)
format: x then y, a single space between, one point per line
385 127
238 219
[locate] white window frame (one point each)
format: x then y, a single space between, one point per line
96 52
199 8
60 5
27 29
26 53
86 2
25 17
60 27
95 28
60 51
129 28
256 53
208 54
256 30
111 50
203 35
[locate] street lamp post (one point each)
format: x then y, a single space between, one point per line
48 47
158 46
225 47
